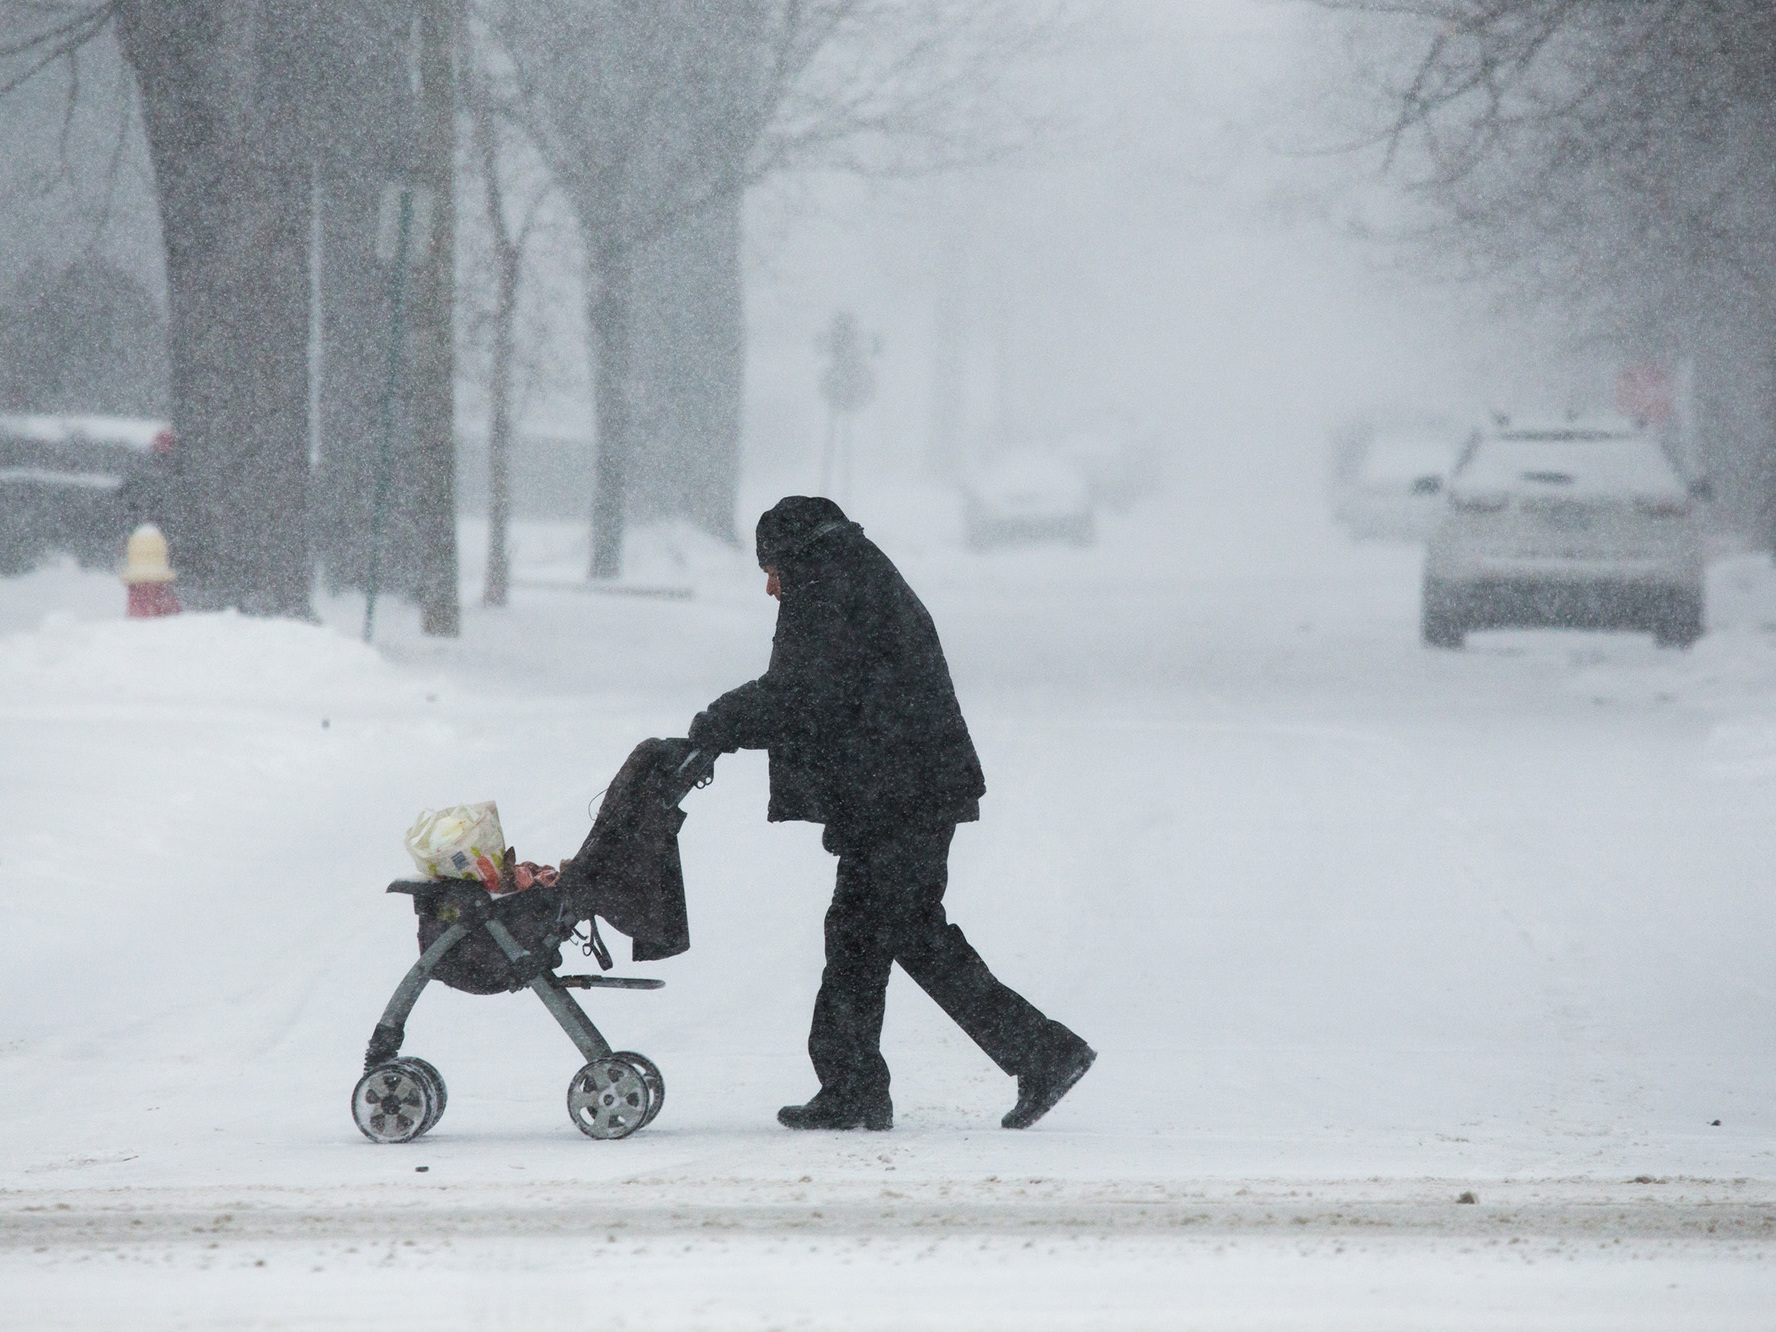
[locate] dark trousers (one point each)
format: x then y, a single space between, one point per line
888 907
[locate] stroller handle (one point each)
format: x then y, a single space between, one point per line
697 769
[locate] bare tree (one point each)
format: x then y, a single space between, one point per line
72 162
508 237
1550 134
654 120
387 109
242 103
221 89
222 95
1615 159
430 382
616 99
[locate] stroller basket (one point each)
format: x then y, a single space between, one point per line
539 918
487 945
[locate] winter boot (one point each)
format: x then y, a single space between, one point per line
1045 1082
827 1111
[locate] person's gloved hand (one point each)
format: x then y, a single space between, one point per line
709 735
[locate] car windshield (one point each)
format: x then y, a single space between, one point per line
1596 463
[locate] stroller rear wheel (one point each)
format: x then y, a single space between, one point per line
608 1098
656 1085
434 1080
393 1103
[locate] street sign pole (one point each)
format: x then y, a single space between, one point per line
847 384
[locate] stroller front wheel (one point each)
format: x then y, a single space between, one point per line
608 1098
393 1103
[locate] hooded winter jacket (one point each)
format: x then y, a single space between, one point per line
856 709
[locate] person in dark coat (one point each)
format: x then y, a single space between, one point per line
865 737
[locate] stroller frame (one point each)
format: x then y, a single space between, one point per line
614 1093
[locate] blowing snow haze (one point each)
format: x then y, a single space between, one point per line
1415 905
1172 263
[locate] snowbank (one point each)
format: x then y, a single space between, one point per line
214 659
1730 675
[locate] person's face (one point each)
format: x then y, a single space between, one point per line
772 587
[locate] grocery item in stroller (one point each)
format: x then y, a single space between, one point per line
482 943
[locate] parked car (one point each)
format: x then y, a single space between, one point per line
1577 524
1392 487
77 484
1024 497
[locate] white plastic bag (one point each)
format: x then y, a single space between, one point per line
461 842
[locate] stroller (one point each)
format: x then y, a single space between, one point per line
482 944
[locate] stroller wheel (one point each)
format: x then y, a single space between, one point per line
392 1103
608 1098
656 1085
434 1080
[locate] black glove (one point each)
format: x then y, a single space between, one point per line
709 735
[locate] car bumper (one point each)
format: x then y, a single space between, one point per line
1662 569
1615 602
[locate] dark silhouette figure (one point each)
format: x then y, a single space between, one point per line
865 736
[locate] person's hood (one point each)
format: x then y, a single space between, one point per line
790 528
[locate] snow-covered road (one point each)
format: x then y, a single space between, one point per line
857 1253
1355 927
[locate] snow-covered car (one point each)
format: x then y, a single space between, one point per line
1574 524
77 483
1394 487
1025 497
